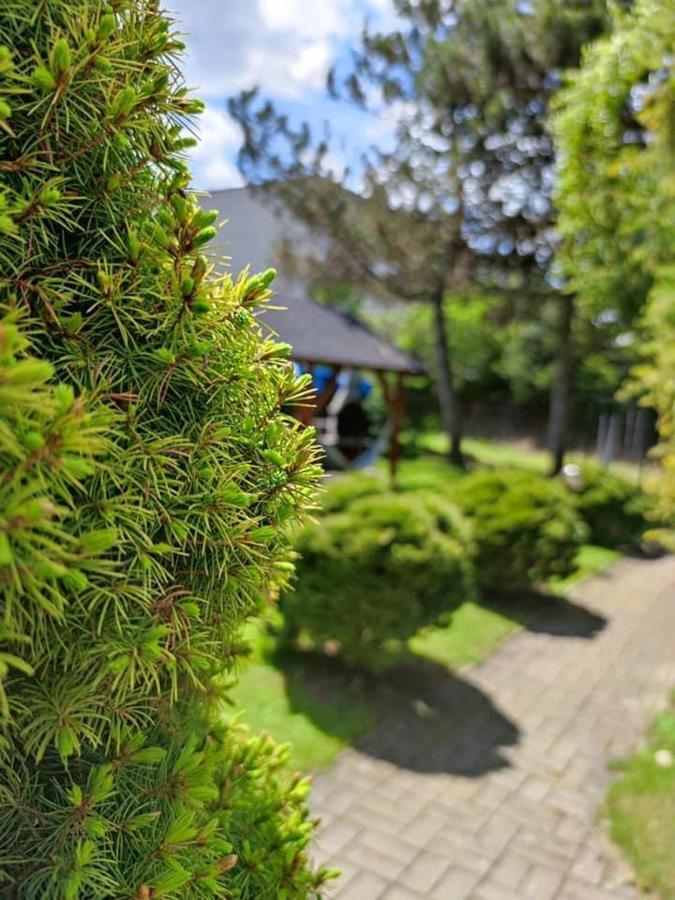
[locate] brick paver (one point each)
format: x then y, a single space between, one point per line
486 784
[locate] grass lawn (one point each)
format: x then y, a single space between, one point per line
641 808
423 474
489 453
590 560
518 455
474 633
275 691
319 708
478 628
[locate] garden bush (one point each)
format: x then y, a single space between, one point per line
525 526
149 481
614 510
377 571
342 490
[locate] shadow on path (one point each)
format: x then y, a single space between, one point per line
549 614
424 718
432 720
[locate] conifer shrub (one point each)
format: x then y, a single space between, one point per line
615 511
525 526
342 490
148 484
377 571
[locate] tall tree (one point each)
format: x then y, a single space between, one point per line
471 84
615 131
148 480
400 237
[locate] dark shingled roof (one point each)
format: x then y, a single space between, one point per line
325 334
317 333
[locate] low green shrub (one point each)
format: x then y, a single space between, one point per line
341 490
378 571
526 526
614 509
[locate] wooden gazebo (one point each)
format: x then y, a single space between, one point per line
327 336
320 335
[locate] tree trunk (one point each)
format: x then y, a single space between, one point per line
560 388
447 400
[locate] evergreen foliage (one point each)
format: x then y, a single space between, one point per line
615 510
377 571
345 489
525 526
149 482
460 199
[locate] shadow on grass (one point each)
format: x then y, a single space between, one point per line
417 713
424 717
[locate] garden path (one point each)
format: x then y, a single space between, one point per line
485 784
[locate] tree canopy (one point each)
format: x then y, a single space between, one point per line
615 131
462 200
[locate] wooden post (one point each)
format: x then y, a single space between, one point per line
398 412
394 397
321 400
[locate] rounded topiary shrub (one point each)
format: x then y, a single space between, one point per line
525 526
615 510
378 571
341 490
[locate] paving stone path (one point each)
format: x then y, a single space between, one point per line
486 784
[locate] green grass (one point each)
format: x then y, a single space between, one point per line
521 456
426 473
641 809
590 560
475 631
318 707
275 691
489 453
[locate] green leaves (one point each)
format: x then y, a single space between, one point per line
172 880
6 556
203 236
5 60
616 202
256 288
358 568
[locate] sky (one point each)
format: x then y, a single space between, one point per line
285 47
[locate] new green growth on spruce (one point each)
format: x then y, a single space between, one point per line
148 482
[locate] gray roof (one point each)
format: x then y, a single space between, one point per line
327 334
318 333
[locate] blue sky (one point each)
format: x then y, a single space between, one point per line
284 46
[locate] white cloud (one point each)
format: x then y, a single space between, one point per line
283 46
212 159
306 17
312 64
